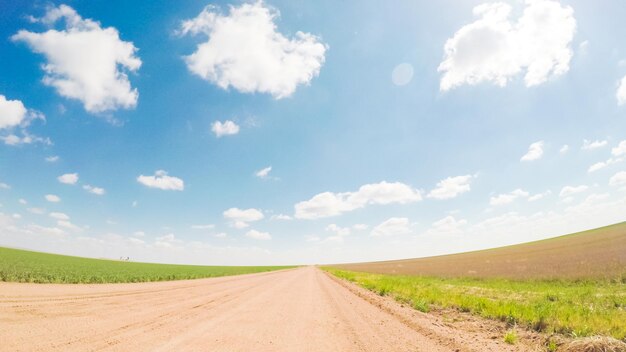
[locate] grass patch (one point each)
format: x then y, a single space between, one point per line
572 308
510 337
26 266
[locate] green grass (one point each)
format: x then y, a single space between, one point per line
26 266
510 337
573 308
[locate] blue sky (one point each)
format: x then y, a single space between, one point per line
149 129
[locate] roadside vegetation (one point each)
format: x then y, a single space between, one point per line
26 266
573 308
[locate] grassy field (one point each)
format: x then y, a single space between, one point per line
573 285
593 254
26 266
570 307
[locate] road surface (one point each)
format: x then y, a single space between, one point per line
301 309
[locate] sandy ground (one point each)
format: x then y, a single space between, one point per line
300 309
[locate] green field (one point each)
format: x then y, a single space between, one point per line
26 266
570 307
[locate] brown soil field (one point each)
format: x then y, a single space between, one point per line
302 309
598 253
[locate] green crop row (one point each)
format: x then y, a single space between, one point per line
26 266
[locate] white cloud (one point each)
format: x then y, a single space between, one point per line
591 145
331 204
495 49
139 234
451 187
68 225
22 201
620 149
602 164
245 51
136 241
257 235
402 74
4 186
26 138
203 227
239 218
12 113
167 241
94 190
564 149
52 198
571 190
621 92
447 226
51 231
507 198
339 231
535 151
619 179
360 227
38 211
392 227
85 61
227 128
263 173
68 179
220 235
52 159
162 181
59 216
281 217
539 196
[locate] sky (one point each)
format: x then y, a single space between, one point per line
303 132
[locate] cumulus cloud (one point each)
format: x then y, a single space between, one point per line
59 216
621 92
68 179
162 181
447 226
539 196
264 172
571 190
245 51
391 227
94 190
85 61
257 235
281 217
507 198
226 128
591 145
496 49
328 204
618 180
52 198
620 150
52 159
451 187
167 241
14 115
203 227
239 218
339 231
564 149
4 186
535 151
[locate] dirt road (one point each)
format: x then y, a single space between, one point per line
292 310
